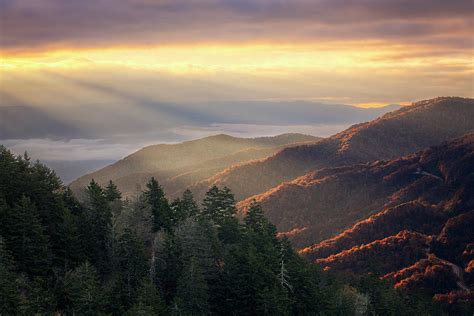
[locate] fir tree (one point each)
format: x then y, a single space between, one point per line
219 208
98 220
184 207
83 291
111 192
132 265
148 302
218 205
26 239
254 218
9 293
189 204
160 208
192 291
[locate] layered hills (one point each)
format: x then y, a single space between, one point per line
178 166
397 133
422 237
323 203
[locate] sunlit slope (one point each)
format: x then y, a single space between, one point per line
398 133
422 237
178 166
323 203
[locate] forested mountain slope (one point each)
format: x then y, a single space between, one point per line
398 133
422 237
325 202
178 166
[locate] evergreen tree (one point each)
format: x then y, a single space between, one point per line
192 291
83 291
72 252
160 208
70 202
198 241
26 240
38 297
218 205
9 294
132 265
111 192
254 219
219 208
184 207
148 302
98 220
188 204
168 266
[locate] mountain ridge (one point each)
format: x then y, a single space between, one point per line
395 134
177 166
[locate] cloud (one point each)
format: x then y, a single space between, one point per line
89 23
72 150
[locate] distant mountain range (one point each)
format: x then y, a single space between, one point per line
19 121
398 133
178 166
343 187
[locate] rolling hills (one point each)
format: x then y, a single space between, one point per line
178 166
423 235
397 133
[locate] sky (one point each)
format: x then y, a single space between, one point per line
131 72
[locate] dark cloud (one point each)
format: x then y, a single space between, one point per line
39 23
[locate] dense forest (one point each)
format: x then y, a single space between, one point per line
105 255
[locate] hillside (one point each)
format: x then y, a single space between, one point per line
398 133
423 236
178 166
325 202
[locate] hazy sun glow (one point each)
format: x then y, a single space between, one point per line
247 58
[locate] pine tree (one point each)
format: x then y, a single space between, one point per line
192 292
9 294
26 239
189 204
254 219
72 252
198 241
98 220
70 201
218 205
114 196
132 265
219 208
83 291
160 208
184 207
148 302
168 265
111 192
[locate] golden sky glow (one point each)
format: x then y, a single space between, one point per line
269 67
243 57
367 53
114 75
